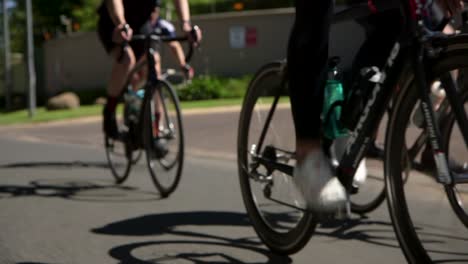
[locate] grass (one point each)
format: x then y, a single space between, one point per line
42 115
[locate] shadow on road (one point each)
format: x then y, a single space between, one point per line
78 190
203 247
360 229
55 164
30 263
168 223
213 249
206 252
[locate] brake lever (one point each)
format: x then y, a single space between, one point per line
124 44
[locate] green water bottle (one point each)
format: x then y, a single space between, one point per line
333 98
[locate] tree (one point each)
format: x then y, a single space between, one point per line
47 20
85 15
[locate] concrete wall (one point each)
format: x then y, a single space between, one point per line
79 61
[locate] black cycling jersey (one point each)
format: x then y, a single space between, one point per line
137 13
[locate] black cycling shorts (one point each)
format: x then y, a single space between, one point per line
105 30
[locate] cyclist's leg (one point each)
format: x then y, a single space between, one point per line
157 96
179 55
307 60
123 61
160 145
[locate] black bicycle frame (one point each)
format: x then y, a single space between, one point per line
152 79
414 47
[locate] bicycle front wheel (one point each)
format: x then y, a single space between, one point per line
458 157
266 131
422 210
163 138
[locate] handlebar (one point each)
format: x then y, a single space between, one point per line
155 37
159 38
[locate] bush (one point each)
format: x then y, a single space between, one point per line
202 7
209 87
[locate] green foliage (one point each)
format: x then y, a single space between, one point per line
46 18
47 15
208 87
85 15
210 6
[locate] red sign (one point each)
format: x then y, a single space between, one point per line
251 37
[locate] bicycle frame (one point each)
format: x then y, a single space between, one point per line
152 78
413 48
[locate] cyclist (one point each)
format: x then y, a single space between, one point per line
166 28
307 63
117 21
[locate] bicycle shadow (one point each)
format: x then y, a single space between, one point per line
196 247
374 232
207 252
89 190
31 263
56 164
368 230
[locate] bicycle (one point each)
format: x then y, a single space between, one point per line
176 78
151 121
265 163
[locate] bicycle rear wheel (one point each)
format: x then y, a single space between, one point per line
162 126
119 156
426 214
272 201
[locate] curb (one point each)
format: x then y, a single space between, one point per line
91 119
98 118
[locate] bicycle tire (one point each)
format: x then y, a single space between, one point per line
124 127
173 124
119 171
404 223
452 191
282 242
371 200
371 205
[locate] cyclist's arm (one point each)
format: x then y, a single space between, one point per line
122 32
183 11
116 11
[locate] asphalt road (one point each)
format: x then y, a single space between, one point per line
58 204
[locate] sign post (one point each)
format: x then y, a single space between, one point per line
30 54
7 57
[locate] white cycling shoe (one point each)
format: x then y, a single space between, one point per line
322 191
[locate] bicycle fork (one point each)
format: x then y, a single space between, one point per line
433 131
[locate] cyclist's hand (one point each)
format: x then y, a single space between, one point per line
122 32
451 7
193 33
